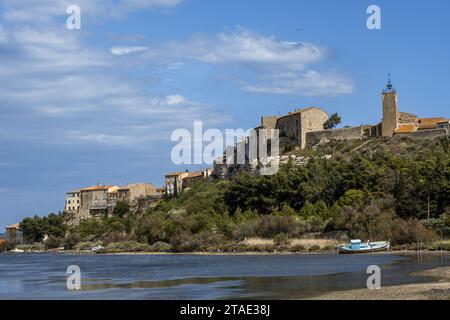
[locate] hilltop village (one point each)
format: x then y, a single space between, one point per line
299 129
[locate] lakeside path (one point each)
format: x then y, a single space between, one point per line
437 290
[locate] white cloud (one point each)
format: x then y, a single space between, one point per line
310 83
32 11
120 51
251 48
265 64
241 47
58 90
176 99
102 138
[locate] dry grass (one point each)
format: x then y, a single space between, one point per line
307 243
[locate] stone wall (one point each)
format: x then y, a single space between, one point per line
427 133
315 137
269 122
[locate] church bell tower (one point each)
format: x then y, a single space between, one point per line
390 110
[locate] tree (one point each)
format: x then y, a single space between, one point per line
122 209
332 122
34 229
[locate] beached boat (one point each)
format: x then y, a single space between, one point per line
356 246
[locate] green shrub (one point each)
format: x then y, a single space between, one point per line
269 226
71 240
37 246
160 246
125 246
314 248
281 239
186 242
122 209
53 242
298 248
6 246
86 245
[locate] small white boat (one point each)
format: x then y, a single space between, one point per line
356 246
15 250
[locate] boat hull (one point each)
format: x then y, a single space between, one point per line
371 248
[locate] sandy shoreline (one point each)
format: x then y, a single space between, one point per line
439 289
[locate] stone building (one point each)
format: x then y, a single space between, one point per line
296 124
134 191
100 201
305 128
293 129
176 182
195 177
444 125
14 234
396 122
73 201
97 201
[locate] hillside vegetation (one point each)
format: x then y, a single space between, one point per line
382 189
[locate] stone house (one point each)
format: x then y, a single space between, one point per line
176 182
99 201
134 191
96 201
196 176
295 125
14 234
73 201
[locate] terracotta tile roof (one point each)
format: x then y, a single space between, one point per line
96 188
74 191
176 174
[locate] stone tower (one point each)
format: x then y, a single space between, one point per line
390 110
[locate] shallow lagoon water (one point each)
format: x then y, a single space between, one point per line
289 276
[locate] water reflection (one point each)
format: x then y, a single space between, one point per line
203 277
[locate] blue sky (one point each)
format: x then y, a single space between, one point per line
99 104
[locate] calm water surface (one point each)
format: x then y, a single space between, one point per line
43 276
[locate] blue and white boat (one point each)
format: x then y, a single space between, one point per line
356 246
